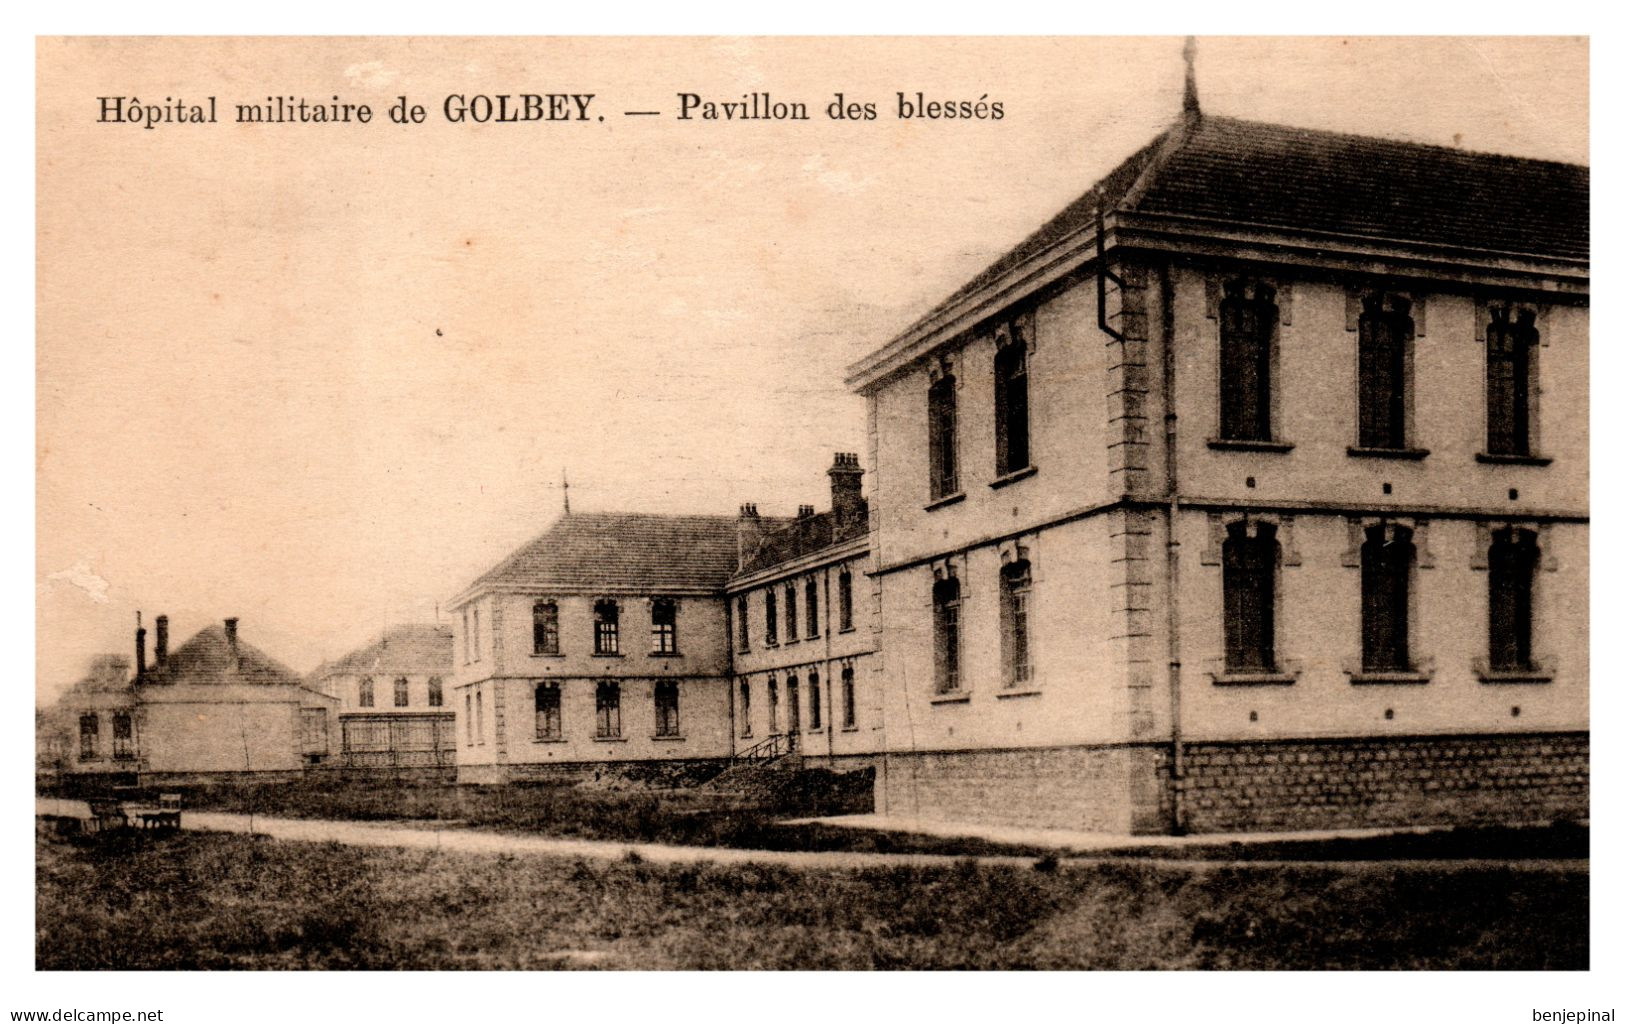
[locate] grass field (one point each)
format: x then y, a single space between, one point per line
198 900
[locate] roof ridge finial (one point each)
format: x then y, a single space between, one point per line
566 472
1192 105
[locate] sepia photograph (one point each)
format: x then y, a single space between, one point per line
765 503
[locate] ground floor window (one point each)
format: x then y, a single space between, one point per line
549 715
89 727
123 737
849 699
666 723
609 710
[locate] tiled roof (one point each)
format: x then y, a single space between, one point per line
411 649
621 551
801 536
206 660
1297 179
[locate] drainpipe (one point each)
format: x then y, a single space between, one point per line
1171 466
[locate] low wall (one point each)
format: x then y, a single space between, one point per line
670 773
1388 781
1118 788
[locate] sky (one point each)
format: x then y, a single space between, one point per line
319 377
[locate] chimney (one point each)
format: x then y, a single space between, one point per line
233 662
140 648
160 647
749 533
804 512
846 495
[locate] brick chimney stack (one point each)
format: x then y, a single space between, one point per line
749 532
140 648
160 647
235 661
846 495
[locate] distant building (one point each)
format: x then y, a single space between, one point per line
393 700
215 706
1249 492
804 630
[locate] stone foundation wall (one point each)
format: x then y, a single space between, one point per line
1387 781
674 773
1121 789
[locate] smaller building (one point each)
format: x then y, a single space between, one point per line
216 706
391 699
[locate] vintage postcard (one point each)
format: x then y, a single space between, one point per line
813 504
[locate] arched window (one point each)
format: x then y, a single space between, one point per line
744 708
606 635
476 634
1514 555
479 716
790 631
1510 349
772 704
663 619
772 616
744 622
1385 337
1015 600
609 710
89 731
815 702
437 693
544 627
945 633
812 606
468 646
123 736
549 712
468 719
1010 404
1385 590
364 692
849 699
792 700
666 721
942 418
844 589
403 695
1247 323
1249 598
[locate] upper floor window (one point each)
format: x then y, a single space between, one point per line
666 722
744 707
945 633
403 695
364 692
544 627
476 635
790 611
769 595
1385 591
1010 403
606 627
663 619
437 693
849 698
549 712
744 622
1514 555
609 710
89 729
1386 331
1249 598
1247 324
812 606
1510 348
942 416
1015 601
844 596
468 647
123 736
815 701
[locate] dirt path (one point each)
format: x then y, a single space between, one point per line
427 836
